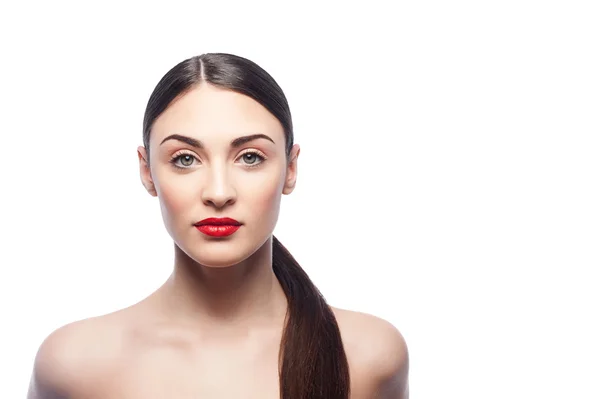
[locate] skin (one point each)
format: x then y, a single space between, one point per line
219 317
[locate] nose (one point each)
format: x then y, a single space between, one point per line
218 191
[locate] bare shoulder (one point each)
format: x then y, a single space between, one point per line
73 358
377 353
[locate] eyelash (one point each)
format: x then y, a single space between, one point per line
181 154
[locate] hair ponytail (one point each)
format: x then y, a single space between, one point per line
313 363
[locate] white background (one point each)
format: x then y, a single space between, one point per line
454 145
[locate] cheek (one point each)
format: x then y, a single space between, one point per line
264 197
176 196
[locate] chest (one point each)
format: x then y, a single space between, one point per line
212 372
178 368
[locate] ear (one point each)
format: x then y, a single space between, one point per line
292 170
145 174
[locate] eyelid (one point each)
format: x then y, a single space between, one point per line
252 151
245 151
183 152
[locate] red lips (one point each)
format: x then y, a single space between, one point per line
218 227
218 222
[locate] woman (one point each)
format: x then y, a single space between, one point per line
238 317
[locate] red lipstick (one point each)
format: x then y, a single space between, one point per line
218 227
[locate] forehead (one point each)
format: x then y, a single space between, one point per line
209 112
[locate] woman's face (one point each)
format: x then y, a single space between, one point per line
205 164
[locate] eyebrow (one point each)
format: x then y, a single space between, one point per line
234 143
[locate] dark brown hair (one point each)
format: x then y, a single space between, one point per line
313 363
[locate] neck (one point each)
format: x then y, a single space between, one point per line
245 295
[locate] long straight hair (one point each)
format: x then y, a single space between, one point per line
312 360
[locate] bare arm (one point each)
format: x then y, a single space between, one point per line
388 361
395 386
60 366
38 390
394 371
45 382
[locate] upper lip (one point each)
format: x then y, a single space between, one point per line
218 222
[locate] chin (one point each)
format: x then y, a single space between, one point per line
221 253
216 263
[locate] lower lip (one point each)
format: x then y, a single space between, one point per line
214 230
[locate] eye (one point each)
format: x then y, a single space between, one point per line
183 160
252 158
